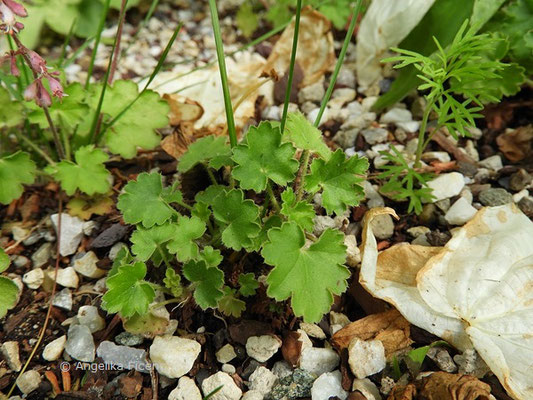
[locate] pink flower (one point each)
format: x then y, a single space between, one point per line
38 65
55 86
17 8
31 92
14 69
43 97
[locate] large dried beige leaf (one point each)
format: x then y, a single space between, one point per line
390 327
316 54
477 291
203 88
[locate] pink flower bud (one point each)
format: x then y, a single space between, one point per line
17 8
38 65
43 97
31 92
19 26
7 17
55 86
14 69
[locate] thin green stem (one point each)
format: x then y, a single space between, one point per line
36 148
66 143
288 89
223 74
272 196
97 38
164 303
422 133
305 157
163 256
210 174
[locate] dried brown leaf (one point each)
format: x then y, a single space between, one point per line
516 144
443 385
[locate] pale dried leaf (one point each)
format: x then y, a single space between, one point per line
516 144
316 53
390 327
477 291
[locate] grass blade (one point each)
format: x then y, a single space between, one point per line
291 67
223 74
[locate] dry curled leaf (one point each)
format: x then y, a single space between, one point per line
316 53
390 327
516 144
183 109
443 385
476 292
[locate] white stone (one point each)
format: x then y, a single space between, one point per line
10 352
353 254
440 156
520 195
366 357
29 381
304 338
494 163
125 357
174 356
262 348
460 212
86 266
89 316
66 277
375 135
186 390
374 198
252 395
417 231
411 126
63 299
314 93
113 252
262 380
396 115
471 150
34 278
80 343
383 226
281 369
225 354
228 369
341 96
313 330
54 349
71 233
447 185
367 388
229 391
313 114
271 113
328 385
89 227
318 361
42 255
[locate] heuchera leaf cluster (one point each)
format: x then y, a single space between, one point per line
257 205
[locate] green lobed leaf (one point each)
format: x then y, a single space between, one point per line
15 170
339 180
273 221
128 293
123 257
212 257
246 19
145 201
183 244
248 284
230 305
147 241
300 212
207 283
305 136
310 274
4 260
88 173
264 157
238 217
8 295
136 128
11 112
211 150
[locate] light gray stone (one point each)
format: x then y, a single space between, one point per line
366 357
494 163
353 254
383 226
313 330
396 115
174 356
225 354
229 391
89 316
80 343
252 395
29 381
66 277
262 348
42 255
186 390
447 185
262 380
328 385
54 349
86 266
10 352
367 388
63 299
460 212
375 135
318 361
71 233
34 278
314 93
123 356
